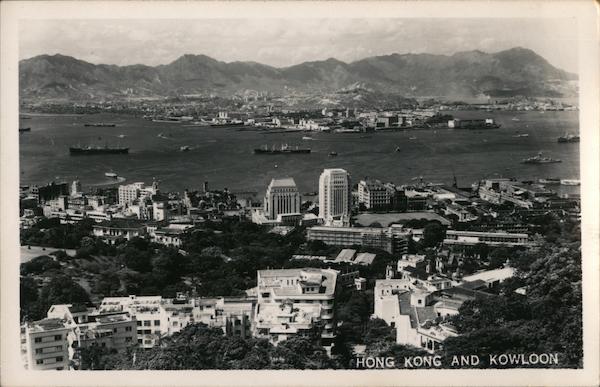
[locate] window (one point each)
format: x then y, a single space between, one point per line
38 340
39 361
103 345
114 330
59 358
57 337
156 322
128 339
38 351
140 341
419 302
128 329
147 323
139 323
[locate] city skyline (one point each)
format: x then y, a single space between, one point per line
268 41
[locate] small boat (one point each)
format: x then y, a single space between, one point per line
162 135
397 149
307 138
276 166
522 135
121 136
184 148
110 174
101 124
570 182
412 138
21 130
515 119
333 154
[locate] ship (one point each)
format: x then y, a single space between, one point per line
101 124
521 135
110 174
227 124
550 181
332 154
568 138
307 138
184 148
539 159
283 149
97 150
24 130
570 182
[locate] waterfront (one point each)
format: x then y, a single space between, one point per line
224 157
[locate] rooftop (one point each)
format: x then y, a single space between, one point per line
365 258
48 324
491 275
285 182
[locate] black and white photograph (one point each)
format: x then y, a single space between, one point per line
257 190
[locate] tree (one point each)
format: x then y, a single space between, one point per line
433 234
61 289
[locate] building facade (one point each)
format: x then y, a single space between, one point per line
373 194
47 344
334 196
296 302
282 197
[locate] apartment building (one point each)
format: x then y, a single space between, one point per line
296 302
47 345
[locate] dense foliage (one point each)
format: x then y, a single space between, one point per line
199 347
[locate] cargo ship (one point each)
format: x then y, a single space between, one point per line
539 159
568 138
550 181
97 150
284 149
101 124
473 124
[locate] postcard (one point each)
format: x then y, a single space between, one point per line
300 193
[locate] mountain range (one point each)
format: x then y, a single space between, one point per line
517 71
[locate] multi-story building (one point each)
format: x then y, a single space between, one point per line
296 302
47 344
151 318
129 193
471 238
334 196
415 313
393 239
76 188
282 197
110 231
373 194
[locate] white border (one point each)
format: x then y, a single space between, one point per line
587 20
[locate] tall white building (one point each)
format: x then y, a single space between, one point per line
282 197
334 196
76 188
128 194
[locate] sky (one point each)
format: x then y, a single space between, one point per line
285 42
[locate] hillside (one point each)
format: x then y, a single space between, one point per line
517 71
